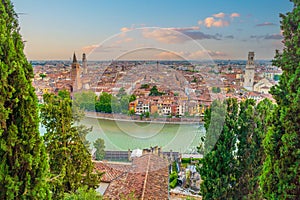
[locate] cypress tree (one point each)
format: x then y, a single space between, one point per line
251 128
99 146
217 170
281 170
245 134
71 163
24 164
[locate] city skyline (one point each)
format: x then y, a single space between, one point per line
224 30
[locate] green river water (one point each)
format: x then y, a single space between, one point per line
124 135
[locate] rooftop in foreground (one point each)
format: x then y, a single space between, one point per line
146 178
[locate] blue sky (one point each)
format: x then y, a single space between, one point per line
225 29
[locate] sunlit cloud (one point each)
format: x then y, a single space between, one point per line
131 28
218 20
233 15
212 22
125 29
219 15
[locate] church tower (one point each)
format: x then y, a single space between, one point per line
249 72
84 63
75 74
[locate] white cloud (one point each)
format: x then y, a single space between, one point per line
212 22
218 20
125 29
219 15
233 15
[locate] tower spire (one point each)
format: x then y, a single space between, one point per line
74 58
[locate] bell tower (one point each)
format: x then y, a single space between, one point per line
249 72
75 74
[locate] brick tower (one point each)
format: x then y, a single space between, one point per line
75 74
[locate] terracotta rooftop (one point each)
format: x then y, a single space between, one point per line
147 177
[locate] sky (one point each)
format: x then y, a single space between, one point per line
112 29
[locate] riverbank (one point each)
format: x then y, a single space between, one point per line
136 118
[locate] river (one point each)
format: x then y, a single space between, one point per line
124 135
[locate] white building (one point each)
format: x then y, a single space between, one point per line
263 86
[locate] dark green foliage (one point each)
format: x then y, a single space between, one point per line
281 170
104 103
85 100
43 76
110 104
276 77
147 114
132 98
99 145
216 90
217 170
24 165
145 86
231 168
252 125
70 162
154 91
188 160
244 133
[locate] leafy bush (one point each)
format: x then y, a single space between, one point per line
173 183
173 179
83 194
188 160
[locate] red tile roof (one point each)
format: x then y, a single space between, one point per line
147 177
